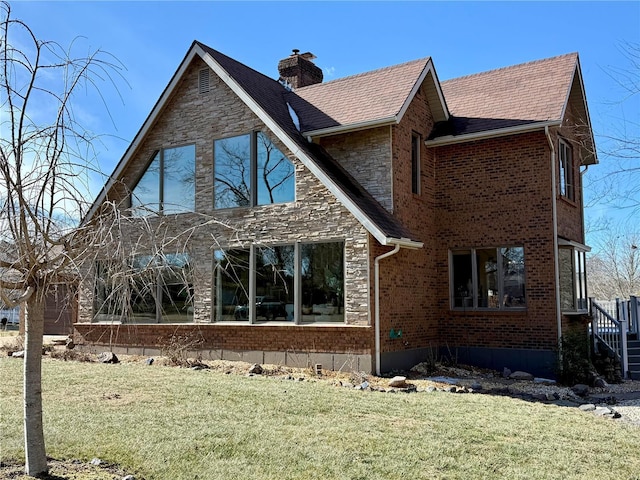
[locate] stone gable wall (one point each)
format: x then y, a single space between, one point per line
366 155
315 215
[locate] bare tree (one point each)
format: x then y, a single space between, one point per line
619 185
46 157
614 271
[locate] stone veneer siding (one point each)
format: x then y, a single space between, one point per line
315 215
367 156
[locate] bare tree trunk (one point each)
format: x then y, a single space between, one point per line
36 458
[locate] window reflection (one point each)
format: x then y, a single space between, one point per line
174 170
250 170
145 198
275 174
231 285
322 272
275 270
232 172
179 179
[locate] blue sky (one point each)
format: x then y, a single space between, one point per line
151 38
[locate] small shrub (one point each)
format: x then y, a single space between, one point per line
71 355
179 345
574 365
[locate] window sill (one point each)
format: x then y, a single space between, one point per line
283 324
489 310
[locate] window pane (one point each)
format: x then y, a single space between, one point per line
231 285
415 164
232 172
177 289
276 179
487 268
274 283
513 277
143 286
566 279
145 198
581 280
322 276
107 299
179 179
462 279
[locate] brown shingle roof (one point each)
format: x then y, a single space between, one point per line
510 96
367 97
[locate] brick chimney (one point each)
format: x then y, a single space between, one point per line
298 70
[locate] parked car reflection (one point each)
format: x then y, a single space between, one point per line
267 307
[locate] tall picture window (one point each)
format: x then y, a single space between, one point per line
415 163
167 185
301 283
249 170
566 170
488 278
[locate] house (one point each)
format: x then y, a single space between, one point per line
364 223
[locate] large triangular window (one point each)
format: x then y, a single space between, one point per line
168 184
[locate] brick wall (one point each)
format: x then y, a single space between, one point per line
492 193
407 283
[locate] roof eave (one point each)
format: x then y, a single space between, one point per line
486 134
351 127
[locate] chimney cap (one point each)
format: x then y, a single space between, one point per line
306 55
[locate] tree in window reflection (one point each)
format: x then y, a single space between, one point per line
232 165
147 288
274 176
275 173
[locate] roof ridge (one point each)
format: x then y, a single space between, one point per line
510 67
209 49
424 60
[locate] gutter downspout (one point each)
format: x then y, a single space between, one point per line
556 265
377 300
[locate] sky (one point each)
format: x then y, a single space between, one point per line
150 39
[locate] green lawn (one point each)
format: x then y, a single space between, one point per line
171 423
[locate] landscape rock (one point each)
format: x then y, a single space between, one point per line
19 354
108 357
256 368
398 382
149 361
506 372
128 477
95 461
580 389
602 411
587 407
544 381
447 380
520 375
600 382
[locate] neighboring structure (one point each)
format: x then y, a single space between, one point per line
364 223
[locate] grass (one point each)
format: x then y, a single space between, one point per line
161 422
